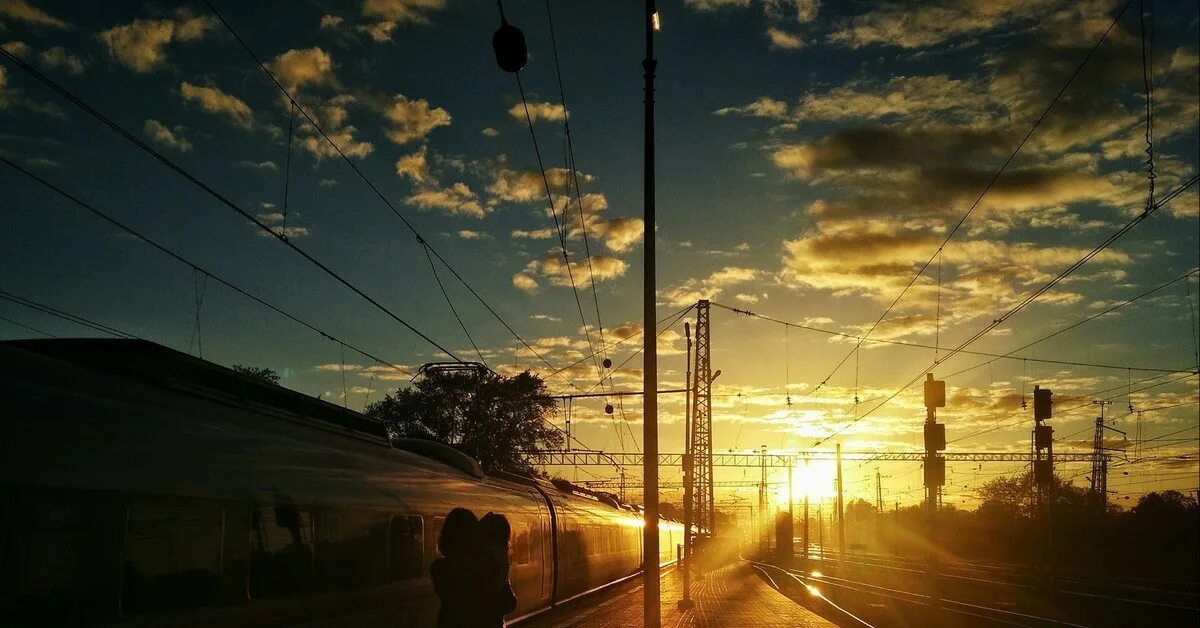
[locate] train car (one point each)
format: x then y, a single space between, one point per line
140 486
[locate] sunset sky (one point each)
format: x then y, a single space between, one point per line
811 157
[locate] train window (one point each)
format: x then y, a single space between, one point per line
407 547
522 544
351 549
281 554
172 556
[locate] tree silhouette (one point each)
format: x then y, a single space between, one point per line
265 375
487 416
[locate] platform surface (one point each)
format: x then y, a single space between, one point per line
730 597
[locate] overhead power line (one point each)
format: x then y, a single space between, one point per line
67 316
375 189
987 188
996 356
196 267
170 164
1147 212
29 327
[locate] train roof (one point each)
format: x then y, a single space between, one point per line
161 366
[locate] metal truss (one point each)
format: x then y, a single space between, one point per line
583 458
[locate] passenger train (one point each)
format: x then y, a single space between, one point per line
140 486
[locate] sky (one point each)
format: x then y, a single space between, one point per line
811 158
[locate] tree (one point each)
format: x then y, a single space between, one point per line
860 510
264 375
487 416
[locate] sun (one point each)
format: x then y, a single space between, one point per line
815 479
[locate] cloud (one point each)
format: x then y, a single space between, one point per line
468 234
165 136
538 112
784 40
331 22
327 183
545 317
413 11
556 271
288 232
297 68
412 119
799 10
456 200
619 234
332 114
22 11
13 98
525 283
271 217
489 132
764 107
215 101
526 186
58 58
258 165
17 48
338 368
692 290
141 45
414 166
379 31
933 22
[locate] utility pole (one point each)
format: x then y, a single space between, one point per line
841 513
878 509
1043 469
821 529
651 615
791 520
807 526
935 475
688 463
703 376
1099 487
762 497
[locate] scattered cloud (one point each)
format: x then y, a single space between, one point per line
783 40
545 317
710 287
556 271
539 112
57 58
414 11
415 166
142 44
22 11
327 183
525 283
468 234
298 68
764 107
412 119
489 132
215 101
331 22
258 165
160 133
932 22
456 200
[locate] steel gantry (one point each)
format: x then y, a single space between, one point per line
700 433
583 458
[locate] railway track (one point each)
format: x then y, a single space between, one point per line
897 595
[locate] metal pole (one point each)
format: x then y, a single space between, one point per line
651 617
791 514
688 461
806 523
841 515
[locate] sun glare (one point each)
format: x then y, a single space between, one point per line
816 480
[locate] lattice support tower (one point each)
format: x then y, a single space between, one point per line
701 432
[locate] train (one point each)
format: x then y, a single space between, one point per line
142 486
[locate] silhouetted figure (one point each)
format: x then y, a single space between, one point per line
457 577
498 599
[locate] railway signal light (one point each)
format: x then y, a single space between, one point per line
935 392
935 436
1043 407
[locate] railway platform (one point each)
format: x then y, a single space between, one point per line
733 596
